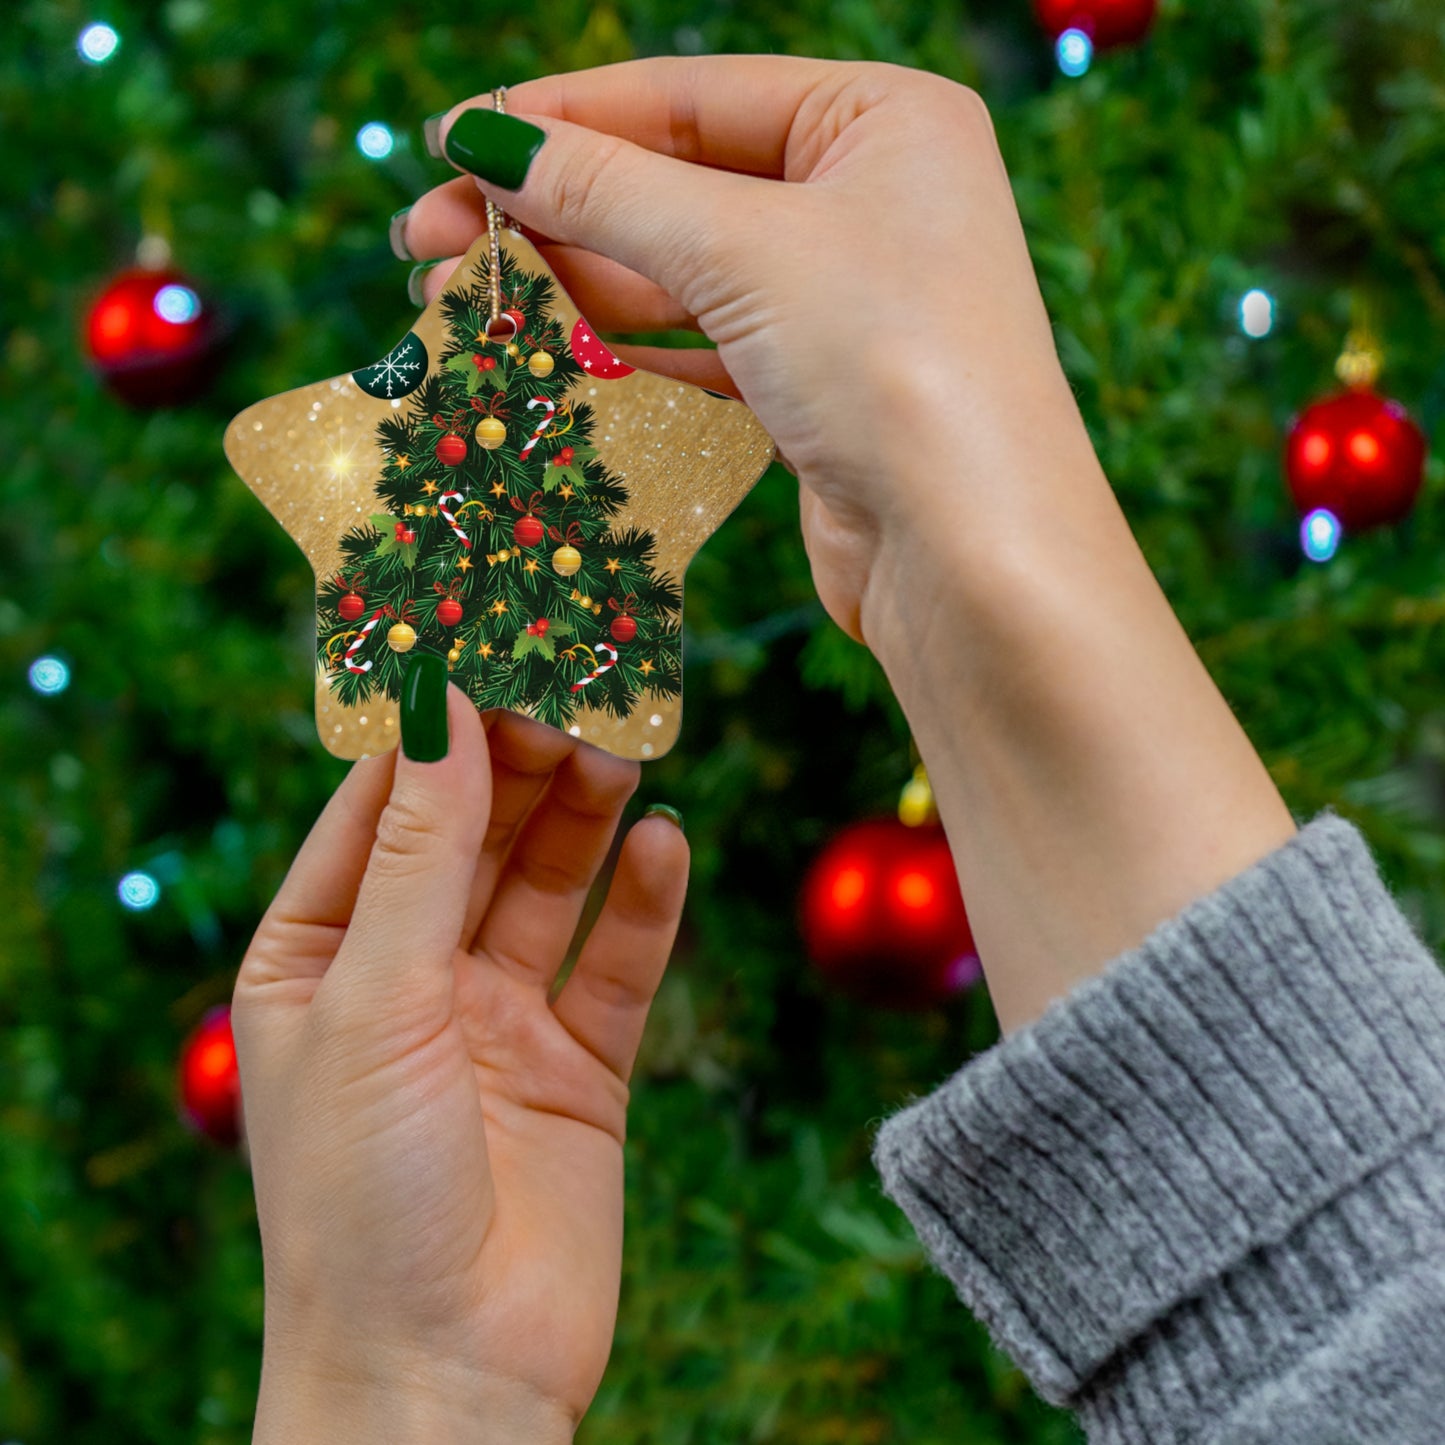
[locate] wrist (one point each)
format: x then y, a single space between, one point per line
1091 778
400 1402
996 511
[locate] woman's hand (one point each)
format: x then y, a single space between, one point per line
879 312
846 233
437 1148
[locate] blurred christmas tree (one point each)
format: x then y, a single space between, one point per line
156 631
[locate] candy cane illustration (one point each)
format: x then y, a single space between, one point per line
541 426
451 520
597 672
349 658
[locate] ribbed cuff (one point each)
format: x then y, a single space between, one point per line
1192 1161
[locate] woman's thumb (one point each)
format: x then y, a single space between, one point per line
664 218
413 898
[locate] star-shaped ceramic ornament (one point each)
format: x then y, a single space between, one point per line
503 490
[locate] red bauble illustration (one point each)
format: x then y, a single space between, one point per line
528 531
351 607
883 918
152 338
593 356
449 612
624 628
1359 456
451 450
1106 22
209 1081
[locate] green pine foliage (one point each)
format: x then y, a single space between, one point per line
534 634
770 1293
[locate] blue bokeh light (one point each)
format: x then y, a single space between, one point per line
1256 313
177 304
375 140
138 891
49 675
1320 534
1075 52
97 43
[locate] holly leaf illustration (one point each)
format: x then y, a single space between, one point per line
554 474
528 642
389 542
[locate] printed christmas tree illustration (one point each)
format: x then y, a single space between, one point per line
493 541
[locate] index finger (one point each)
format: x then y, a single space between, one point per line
733 112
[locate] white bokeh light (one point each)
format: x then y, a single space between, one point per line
375 140
138 891
1075 52
49 675
177 304
1256 313
97 43
1320 534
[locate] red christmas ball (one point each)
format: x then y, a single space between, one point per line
152 338
528 531
451 450
1106 22
351 607
624 628
209 1081
449 612
518 319
1359 456
883 918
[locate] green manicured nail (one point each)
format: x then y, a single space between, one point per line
424 708
498 148
431 133
663 811
396 234
414 293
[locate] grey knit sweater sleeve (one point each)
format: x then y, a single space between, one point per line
1202 1199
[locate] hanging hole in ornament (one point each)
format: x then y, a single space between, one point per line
501 328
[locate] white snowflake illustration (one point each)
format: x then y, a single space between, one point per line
397 369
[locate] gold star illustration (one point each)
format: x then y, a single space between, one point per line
530 565
566 492
613 565
645 666
314 457
485 650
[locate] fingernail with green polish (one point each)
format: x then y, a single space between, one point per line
431 133
396 234
663 811
498 148
414 293
424 708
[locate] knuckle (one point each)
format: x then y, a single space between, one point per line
617 991
408 832
975 112
575 184
548 875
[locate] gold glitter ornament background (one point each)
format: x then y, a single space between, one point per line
687 458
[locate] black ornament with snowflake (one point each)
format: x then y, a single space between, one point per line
398 373
496 534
